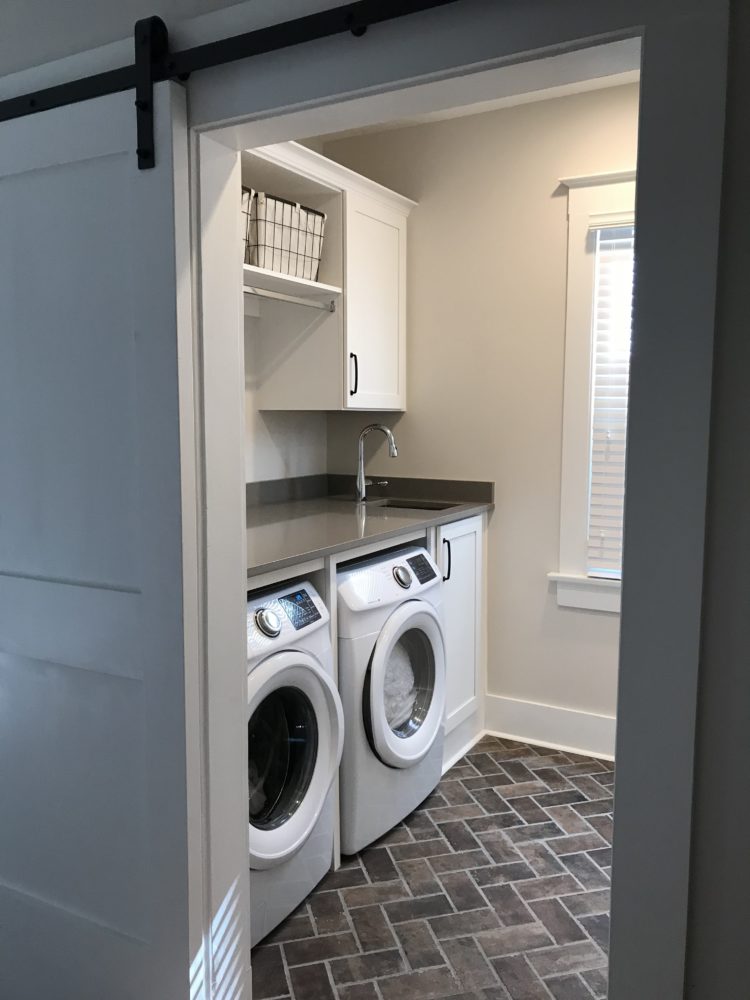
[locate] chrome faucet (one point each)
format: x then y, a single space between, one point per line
363 483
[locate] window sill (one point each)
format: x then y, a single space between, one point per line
586 592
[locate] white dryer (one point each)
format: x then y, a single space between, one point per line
392 685
295 731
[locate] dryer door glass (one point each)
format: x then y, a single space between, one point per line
409 682
282 750
404 693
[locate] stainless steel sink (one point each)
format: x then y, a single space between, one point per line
412 504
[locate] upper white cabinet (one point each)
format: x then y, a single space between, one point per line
339 343
375 304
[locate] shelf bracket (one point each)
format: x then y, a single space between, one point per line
151 47
265 293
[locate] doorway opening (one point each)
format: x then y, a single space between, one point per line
495 179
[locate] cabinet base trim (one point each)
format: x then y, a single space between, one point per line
461 739
469 708
551 726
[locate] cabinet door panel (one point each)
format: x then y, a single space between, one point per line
375 305
461 558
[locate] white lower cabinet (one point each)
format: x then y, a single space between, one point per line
460 555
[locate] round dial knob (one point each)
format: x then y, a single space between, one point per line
402 576
268 622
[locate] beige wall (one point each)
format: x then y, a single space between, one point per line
281 445
487 267
278 444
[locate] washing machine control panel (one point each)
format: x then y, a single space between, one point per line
299 608
422 568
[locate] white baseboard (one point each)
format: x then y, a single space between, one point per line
461 739
550 726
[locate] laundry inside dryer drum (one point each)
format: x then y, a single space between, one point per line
409 683
282 737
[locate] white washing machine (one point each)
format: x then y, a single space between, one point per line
392 685
295 730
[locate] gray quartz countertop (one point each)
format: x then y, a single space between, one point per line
282 534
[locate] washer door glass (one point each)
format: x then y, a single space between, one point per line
282 746
295 734
405 692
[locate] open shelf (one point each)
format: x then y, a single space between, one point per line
272 281
301 291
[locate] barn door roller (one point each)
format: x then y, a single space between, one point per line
154 63
151 47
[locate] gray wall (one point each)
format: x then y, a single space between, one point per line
46 30
720 885
486 341
78 25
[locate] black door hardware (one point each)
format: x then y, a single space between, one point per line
154 63
447 576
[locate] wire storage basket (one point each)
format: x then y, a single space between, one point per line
281 235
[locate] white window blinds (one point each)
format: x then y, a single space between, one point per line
611 330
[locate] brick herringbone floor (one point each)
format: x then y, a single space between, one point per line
497 887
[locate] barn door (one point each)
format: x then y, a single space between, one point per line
94 308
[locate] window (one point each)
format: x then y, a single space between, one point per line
610 364
601 231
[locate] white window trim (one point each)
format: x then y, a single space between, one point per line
587 592
601 199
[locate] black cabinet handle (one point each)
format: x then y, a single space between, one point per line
353 356
447 576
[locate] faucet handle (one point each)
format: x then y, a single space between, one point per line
380 482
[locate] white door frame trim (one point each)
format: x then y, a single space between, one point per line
660 635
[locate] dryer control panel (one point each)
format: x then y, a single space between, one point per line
300 609
422 568
387 580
